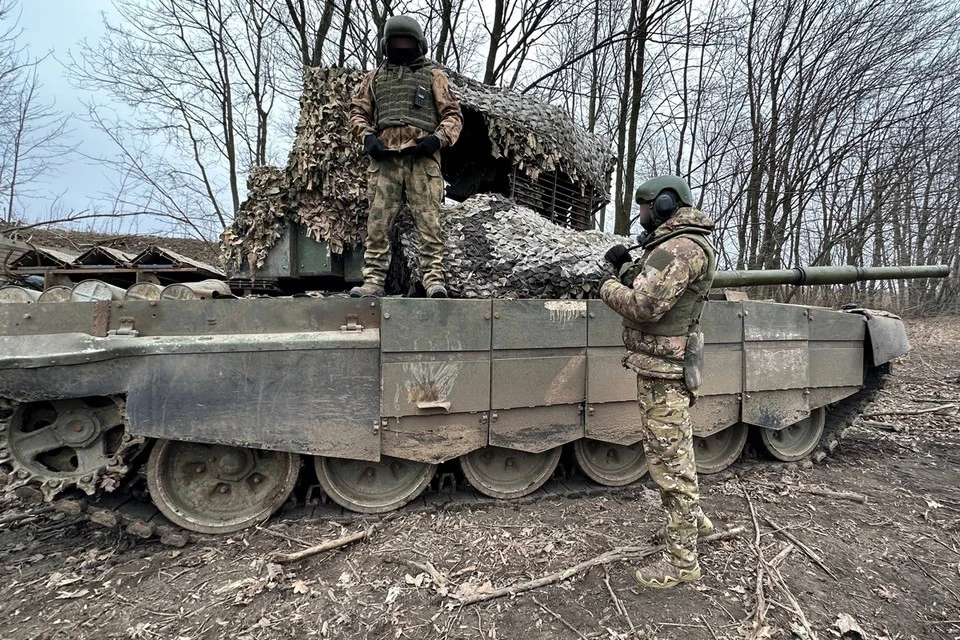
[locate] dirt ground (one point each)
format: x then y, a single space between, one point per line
820 566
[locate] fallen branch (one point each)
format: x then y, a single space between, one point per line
17 517
558 617
440 581
807 550
780 557
616 555
622 610
320 548
758 627
886 426
932 577
840 495
909 412
817 491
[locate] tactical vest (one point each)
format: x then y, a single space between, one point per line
687 310
395 99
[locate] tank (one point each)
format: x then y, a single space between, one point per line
229 398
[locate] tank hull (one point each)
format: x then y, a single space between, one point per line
425 380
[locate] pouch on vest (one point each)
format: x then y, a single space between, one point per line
693 360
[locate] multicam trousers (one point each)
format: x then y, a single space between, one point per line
668 444
390 181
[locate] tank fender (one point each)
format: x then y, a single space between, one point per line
888 335
32 352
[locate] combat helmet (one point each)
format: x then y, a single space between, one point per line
403 26
664 194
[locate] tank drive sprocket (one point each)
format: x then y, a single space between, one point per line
57 445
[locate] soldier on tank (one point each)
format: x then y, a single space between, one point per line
404 112
661 296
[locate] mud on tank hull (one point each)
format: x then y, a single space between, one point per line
230 394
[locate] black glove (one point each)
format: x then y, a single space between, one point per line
373 147
427 146
604 280
617 256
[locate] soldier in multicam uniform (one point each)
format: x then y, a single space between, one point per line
404 112
660 297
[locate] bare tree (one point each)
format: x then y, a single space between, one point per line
196 81
33 133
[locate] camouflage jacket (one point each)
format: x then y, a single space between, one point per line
654 292
396 138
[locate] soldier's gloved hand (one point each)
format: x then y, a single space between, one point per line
427 146
374 147
604 281
617 256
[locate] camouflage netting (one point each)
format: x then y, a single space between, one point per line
323 186
260 221
494 248
327 167
537 136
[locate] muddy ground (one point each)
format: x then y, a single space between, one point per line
824 564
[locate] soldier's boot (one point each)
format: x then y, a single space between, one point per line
436 291
705 528
663 575
367 290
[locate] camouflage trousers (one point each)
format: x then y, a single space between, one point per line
390 182
668 444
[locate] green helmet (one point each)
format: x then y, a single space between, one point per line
402 26
664 194
649 190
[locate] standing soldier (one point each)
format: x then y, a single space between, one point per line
404 112
660 297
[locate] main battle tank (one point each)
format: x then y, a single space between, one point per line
224 399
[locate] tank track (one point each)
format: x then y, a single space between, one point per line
842 414
105 479
129 508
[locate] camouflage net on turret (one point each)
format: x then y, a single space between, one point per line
327 170
260 221
537 136
494 248
323 186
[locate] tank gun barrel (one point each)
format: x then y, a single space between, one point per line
826 275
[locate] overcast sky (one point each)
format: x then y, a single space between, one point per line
56 26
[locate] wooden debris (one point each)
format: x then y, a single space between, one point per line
886 426
560 619
910 412
817 491
840 495
807 550
320 548
20 517
616 555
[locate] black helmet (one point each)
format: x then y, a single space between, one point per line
402 26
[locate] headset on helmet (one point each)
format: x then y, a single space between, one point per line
664 206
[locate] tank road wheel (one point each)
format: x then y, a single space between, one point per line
506 473
372 487
612 465
796 441
63 443
716 452
212 488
